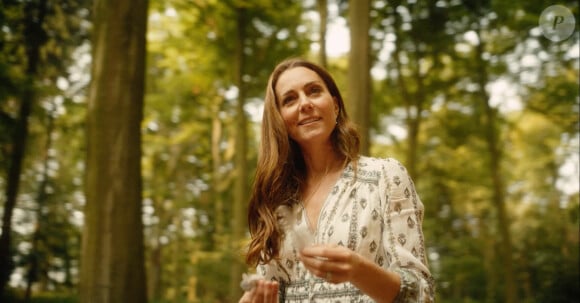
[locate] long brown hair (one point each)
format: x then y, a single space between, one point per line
281 170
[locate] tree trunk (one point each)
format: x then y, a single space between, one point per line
323 13
34 38
415 120
216 136
36 263
239 224
155 272
498 186
407 96
413 99
359 79
112 269
489 254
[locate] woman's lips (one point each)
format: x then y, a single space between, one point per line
309 120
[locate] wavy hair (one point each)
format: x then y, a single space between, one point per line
281 169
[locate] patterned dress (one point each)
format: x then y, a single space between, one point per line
377 214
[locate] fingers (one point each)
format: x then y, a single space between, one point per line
326 255
263 292
333 263
322 268
247 297
333 252
270 292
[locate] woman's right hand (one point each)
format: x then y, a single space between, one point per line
263 292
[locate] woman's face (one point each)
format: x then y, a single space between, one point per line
308 109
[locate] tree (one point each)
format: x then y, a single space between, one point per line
491 133
112 268
421 46
359 78
322 7
241 162
34 38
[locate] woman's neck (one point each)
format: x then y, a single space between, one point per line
321 161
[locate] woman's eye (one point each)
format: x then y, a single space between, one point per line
315 90
287 100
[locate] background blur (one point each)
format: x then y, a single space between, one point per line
470 95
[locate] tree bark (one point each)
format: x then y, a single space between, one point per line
112 268
216 136
155 272
408 98
323 13
359 79
239 224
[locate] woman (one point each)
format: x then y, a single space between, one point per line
326 224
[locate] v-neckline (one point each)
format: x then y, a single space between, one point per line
314 229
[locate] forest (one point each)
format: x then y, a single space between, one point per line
129 133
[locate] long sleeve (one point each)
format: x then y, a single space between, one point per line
403 236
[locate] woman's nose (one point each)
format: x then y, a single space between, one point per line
305 103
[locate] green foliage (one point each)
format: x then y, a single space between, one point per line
213 270
427 53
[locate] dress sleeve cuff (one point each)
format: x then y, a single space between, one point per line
408 289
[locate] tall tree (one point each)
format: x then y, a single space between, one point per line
359 77
322 7
419 80
34 39
112 268
241 196
36 264
490 124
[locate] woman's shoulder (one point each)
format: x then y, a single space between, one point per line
372 169
380 163
389 168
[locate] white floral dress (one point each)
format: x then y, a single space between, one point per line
377 214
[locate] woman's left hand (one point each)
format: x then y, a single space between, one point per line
262 292
335 264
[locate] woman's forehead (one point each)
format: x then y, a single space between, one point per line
295 78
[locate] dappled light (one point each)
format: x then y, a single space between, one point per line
129 138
